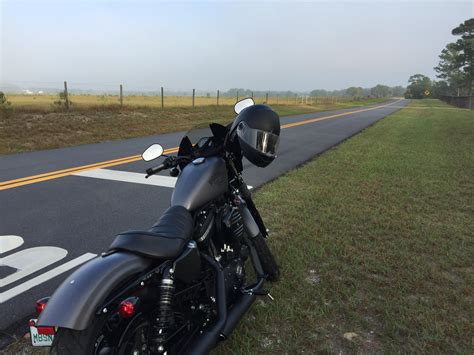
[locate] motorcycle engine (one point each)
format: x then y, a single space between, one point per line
233 252
232 225
222 230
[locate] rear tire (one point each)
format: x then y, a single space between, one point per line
269 265
91 340
67 341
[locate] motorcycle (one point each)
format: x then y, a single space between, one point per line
181 286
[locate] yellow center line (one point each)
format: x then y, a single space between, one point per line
312 120
9 184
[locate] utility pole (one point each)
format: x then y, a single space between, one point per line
217 97
194 92
121 96
266 98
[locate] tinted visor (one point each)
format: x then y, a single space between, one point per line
264 142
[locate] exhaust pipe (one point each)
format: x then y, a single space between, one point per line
240 308
236 314
226 322
208 339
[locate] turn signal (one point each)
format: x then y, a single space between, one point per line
128 307
41 305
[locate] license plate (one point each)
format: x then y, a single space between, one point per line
42 336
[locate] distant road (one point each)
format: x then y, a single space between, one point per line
61 207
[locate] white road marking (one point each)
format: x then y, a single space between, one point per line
126 176
29 261
9 242
15 291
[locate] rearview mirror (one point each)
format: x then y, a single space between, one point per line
152 152
239 106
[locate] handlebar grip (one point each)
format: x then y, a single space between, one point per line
155 170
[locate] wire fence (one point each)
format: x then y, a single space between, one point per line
459 101
160 98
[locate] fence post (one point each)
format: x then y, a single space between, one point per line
266 98
121 96
217 97
194 92
66 96
162 99
237 96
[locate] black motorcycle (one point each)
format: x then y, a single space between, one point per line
181 286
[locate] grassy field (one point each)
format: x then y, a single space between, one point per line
376 244
27 128
46 102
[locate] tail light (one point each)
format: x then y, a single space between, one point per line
41 305
128 307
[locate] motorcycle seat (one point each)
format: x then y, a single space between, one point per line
165 240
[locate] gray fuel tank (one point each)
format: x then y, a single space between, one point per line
200 182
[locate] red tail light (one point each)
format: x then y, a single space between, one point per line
128 307
41 305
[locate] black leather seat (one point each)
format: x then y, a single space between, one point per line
165 240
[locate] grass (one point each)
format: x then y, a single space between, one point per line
375 242
28 127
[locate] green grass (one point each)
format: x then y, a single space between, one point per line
375 237
27 128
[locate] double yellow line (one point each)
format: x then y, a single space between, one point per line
9 184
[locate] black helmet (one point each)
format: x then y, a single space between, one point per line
258 130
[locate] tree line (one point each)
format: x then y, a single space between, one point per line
379 91
455 68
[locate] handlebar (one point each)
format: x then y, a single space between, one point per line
170 162
155 170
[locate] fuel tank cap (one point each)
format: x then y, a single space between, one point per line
198 161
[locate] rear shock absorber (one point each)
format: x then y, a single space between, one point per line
164 314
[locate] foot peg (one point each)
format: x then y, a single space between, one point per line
264 293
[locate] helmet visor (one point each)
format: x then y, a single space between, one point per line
264 142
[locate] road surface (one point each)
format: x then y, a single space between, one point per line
61 207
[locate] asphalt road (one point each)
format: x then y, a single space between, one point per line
77 212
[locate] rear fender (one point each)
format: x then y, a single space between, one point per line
74 304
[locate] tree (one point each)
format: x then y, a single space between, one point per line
355 91
418 86
457 59
319 92
440 88
449 67
381 91
398 91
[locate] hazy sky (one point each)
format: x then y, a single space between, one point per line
284 45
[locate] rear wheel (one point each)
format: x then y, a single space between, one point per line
94 340
269 264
